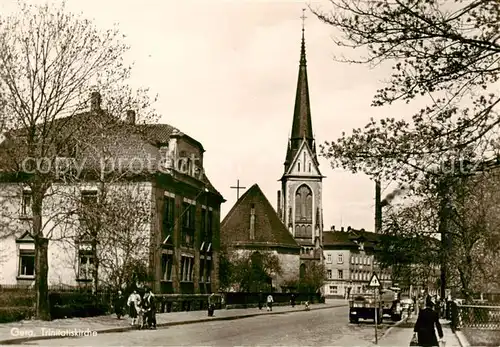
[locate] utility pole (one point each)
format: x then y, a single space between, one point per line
378 207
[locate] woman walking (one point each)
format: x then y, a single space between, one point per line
424 327
119 304
134 304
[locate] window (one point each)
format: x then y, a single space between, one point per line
88 215
26 203
168 216
303 204
340 259
341 274
333 289
26 263
329 274
329 258
209 269
85 266
210 225
352 259
368 261
166 267
309 167
203 228
187 269
202 270
188 224
298 166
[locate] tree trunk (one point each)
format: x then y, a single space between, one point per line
443 231
41 259
41 283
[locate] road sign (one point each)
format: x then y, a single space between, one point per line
374 282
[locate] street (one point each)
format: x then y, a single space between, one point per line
319 327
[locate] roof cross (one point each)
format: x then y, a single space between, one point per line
238 187
303 17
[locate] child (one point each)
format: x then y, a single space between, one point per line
270 302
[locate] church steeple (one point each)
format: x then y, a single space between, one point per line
302 124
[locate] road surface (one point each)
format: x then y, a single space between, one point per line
319 327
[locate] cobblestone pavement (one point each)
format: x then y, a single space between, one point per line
327 327
21 329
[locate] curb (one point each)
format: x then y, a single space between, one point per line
21 340
462 339
388 331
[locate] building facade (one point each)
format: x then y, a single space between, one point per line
350 262
299 202
163 199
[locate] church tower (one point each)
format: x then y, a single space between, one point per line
299 201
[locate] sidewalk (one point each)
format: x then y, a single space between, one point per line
19 332
401 335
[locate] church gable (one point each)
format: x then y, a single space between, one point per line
253 220
304 163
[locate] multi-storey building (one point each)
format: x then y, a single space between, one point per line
179 220
350 262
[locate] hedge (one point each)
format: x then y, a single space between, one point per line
14 314
10 299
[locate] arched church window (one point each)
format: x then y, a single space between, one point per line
303 203
309 230
298 166
309 167
302 272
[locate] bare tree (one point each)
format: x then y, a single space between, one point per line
50 62
445 51
117 226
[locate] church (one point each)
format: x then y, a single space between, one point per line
293 231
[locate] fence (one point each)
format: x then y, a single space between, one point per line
482 317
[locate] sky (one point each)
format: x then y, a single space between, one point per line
226 73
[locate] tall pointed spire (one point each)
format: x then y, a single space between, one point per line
302 124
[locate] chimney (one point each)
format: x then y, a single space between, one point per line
332 228
252 222
131 117
278 207
95 102
378 208
349 228
341 228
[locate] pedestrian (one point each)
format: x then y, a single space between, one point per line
118 304
292 300
152 314
270 301
211 305
261 299
424 327
134 304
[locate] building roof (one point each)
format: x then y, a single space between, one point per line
123 141
350 238
269 229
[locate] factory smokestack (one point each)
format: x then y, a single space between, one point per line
378 207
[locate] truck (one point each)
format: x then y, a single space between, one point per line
391 303
364 307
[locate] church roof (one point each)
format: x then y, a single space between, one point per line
302 123
269 229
